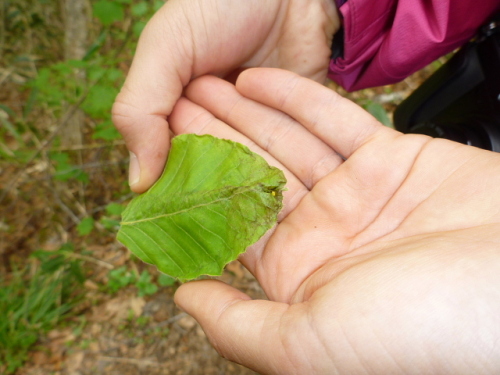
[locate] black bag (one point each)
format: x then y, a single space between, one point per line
461 100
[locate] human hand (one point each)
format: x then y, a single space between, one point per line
387 262
190 38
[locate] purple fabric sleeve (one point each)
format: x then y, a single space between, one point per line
387 40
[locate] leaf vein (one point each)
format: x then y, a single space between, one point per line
172 179
137 246
194 240
188 172
211 232
173 240
208 174
243 191
159 247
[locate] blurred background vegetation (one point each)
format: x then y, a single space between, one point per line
63 186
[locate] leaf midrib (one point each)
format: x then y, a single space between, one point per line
241 190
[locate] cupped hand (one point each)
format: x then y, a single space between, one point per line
190 38
386 258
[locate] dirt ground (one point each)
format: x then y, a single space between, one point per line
170 342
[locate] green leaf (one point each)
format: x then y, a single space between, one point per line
379 112
140 9
145 286
138 27
214 199
165 280
119 278
95 46
7 110
107 131
158 4
6 152
65 170
99 99
85 226
108 223
24 155
114 209
108 12
11 129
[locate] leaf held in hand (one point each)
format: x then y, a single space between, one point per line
214 199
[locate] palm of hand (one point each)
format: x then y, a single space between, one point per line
380 259
391 191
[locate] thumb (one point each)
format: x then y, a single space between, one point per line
153 85
140 114
249 332
147 138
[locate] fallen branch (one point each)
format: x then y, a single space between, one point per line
133 361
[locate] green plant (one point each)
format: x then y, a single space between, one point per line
165 280
93 91
379 112
119 278
64 170
122 277
85 226
9 128
145 285
142 321
33 300
111 220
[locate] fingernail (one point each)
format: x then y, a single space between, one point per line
134 172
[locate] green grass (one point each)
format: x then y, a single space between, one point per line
33 300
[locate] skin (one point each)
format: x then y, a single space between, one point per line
190 38
385 260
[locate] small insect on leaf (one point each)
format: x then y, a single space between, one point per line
214 199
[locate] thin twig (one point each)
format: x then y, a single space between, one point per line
133 361
4 76
71 197
120 200
96 164
89 147
172 319
92 260
65 208
80 167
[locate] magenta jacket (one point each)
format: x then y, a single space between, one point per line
387 40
